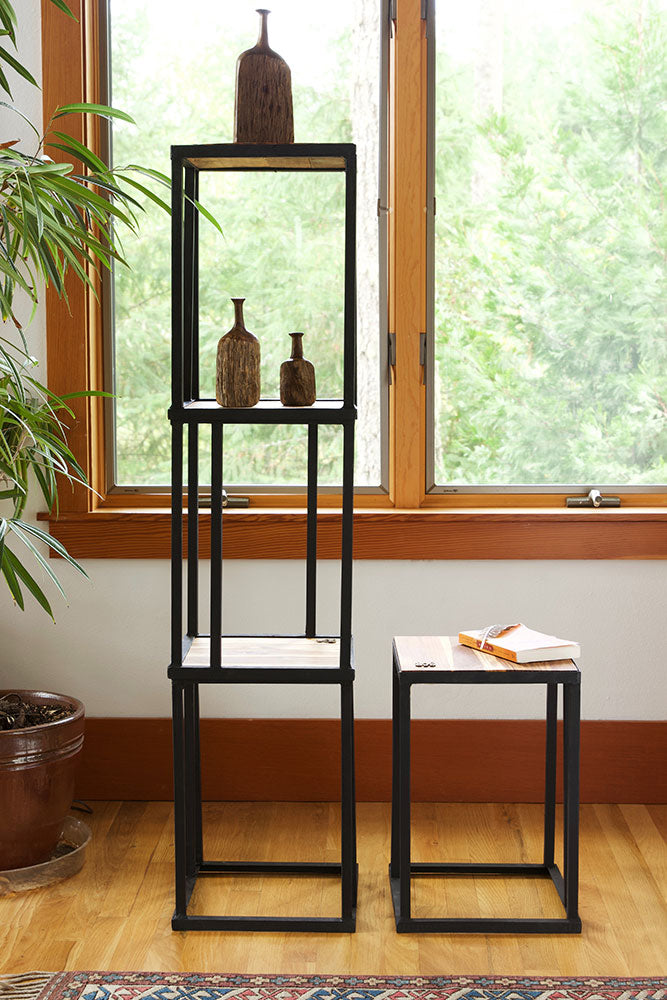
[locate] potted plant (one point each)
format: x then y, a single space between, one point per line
55 219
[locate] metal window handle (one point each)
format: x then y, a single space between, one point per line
227 501
594 499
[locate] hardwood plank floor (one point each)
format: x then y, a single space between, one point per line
115 914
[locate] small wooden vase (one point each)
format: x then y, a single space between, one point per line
263 104
237 371
297 377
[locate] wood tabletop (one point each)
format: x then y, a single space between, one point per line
450 656
267 651
268 162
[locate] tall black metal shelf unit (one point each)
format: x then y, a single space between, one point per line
213 658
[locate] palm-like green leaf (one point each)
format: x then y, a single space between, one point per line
61 5
95 109
53 221
15 574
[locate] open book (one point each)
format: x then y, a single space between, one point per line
519 643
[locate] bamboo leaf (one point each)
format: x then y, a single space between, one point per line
53 543
61 5
7 567
44 563
29 581
148 193
11 107
207 215
37 206
156 175
17 66
8 18
76 148
4 83
94 109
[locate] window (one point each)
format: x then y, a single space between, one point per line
407 522
283 244
550 360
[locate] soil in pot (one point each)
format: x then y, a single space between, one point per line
37 771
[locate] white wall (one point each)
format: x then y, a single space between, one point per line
110 646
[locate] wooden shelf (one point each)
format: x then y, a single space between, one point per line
266 156
267 411
268 651
267 162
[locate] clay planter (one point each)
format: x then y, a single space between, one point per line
37 767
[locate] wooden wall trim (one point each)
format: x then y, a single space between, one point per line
426 534
458 760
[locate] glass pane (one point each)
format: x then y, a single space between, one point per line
258 458
551 355
282 249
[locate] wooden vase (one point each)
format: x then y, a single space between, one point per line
237 381
263 103
297 377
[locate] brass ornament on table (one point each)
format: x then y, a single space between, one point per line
263 101
297 377
237 378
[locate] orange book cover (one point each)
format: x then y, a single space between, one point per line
520 644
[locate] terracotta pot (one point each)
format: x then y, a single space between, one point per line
37 767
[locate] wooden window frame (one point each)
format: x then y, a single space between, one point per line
407 523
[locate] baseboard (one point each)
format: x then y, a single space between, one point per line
459 760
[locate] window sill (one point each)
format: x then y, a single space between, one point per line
463 533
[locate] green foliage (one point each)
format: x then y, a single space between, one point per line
53 221
551 347
32 444
281 248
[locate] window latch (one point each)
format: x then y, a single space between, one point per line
422 356
227 501
593 499
391 356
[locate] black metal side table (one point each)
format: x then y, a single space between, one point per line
441 660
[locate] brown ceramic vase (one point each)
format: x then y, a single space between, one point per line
263 105
297 377
37 770
237 381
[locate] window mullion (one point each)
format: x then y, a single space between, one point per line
72 363
408 251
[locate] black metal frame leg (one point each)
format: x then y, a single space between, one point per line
193 781
571 719
550 775
348 818
404 800
395 864
180 822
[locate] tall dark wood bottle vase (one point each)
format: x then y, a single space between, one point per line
237 381
263 105
297 377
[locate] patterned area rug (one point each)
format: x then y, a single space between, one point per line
226 986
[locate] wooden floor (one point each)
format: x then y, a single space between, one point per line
115 914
